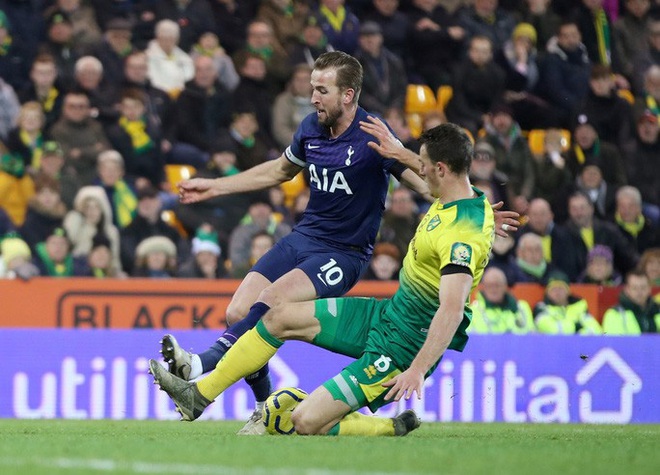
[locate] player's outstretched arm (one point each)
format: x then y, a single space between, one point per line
454 291
505 221
264 175
388 145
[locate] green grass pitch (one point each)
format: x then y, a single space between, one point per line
157 447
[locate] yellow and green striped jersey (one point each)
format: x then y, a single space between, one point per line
457 233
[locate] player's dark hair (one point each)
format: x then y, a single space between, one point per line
349 70
450 144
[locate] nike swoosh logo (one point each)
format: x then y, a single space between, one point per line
311 147
320 276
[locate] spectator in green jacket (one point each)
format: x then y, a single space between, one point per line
496 310
636 312
562 313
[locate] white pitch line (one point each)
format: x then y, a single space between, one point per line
108 465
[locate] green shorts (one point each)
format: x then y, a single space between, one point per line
345 328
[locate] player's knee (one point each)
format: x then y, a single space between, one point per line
276 322
235 313
270 296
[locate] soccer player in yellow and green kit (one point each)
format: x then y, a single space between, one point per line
397 342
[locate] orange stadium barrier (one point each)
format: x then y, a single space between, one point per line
174 303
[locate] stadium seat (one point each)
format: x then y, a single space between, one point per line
170 218
536 138
415 124
176 173
444 95
419 99
293 188
627 95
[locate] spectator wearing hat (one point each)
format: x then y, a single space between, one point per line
53 257
339 24
91 215
385 263
611 115
643 165
543 17
137 137
562 313
81 137
146 223
170 67
512 154
435 43
86 31
636 311
478 83
600 268
586 231
206 261
155 258
202 108
260 217
44 88
312 44
16 186
519 61
208 44
292 105
385 80
100 259
60 44
52 165
16 259
496 310
394 24
113 49
590 149
485 176
45 211
564 72
640 232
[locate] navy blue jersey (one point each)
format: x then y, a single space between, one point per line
348 183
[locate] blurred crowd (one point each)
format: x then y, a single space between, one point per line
104 105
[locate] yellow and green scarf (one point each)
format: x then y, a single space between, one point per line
125 203
137 131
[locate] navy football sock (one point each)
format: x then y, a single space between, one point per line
210 357
260 384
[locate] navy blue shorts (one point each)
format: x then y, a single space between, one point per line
332 271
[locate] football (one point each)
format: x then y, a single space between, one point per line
278 409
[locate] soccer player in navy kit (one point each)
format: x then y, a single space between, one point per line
327 251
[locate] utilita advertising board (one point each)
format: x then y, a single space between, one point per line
102 374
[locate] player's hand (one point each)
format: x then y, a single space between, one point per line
196 189
405 385
505 221
388 145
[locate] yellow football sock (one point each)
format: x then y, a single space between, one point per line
248 354
356 423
